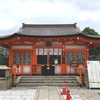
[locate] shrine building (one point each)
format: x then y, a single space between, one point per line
49 49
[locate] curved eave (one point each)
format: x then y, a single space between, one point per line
54 36
90 36
8 37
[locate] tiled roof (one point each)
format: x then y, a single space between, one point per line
49 29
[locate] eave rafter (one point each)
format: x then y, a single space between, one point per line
9 40
89 40
21 39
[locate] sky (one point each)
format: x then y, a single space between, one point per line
86 13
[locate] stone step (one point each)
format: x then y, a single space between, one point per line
32 84
47 81
49 76
30 81
46 84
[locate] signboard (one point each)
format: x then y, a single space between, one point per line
93 74
60 52
40 51
45 51
56 51
51 51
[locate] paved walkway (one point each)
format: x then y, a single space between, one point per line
48 93
84 93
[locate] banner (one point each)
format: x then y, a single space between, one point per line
93 74
48 58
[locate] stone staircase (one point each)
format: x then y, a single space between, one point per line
47 80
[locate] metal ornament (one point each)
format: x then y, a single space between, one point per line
48 68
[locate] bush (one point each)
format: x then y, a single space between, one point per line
98 57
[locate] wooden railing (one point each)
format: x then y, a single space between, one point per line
80 74
15 75
35 69
76 66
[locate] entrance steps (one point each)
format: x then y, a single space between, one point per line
47 80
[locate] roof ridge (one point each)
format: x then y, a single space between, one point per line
48 25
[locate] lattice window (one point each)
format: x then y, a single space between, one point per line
27 58
80 57
70 58
17 58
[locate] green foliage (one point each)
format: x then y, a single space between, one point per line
3 60
93 51
1 56
90 31
98 57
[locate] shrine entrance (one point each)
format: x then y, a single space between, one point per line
73 62
22 60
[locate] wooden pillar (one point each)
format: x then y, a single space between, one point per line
87 57
34 59
33 55
63 60
87 53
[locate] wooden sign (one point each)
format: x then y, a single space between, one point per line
93 74
45 51
60 51
51 51
40 51
56 51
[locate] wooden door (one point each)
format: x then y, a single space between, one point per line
73 60
23 61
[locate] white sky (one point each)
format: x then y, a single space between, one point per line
86 13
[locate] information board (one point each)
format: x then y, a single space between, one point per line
93 74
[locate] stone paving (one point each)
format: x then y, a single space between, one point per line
48 93
18 93
84 93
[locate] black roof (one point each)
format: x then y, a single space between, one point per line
49 30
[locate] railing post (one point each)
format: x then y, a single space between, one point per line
11 70
17 69
14 76
80 73
31 69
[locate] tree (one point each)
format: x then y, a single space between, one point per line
3 60
90 31
94 51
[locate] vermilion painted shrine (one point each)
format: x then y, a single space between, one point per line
65 45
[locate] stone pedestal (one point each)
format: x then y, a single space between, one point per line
5 77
